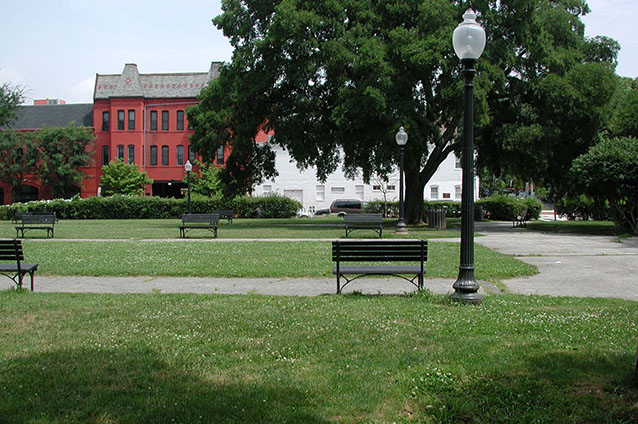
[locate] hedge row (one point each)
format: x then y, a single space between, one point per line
506 208
134 207
503 208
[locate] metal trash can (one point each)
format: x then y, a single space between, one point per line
479 213
436 219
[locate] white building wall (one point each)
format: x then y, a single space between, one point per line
305 187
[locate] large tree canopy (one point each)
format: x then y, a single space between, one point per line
338 76
10 98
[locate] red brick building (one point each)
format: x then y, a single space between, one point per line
138 118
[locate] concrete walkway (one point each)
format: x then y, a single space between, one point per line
569 265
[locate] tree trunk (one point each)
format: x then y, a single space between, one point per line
414 208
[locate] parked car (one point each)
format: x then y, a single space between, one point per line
322 212
345 206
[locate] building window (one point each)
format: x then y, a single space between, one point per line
267 188
105 155
358 191
191 155
434 192
131 153
446 195
165 155
153 120
457 192
180 120
153 154
180 155
120 152
321 193
457 163
337 190
131 119
164 120
120 119
392 187
106 121
220 156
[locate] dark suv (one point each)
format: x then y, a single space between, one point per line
344 206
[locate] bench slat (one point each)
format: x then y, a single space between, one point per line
11 250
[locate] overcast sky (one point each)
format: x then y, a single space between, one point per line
54 48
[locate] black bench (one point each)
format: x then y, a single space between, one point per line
521 219
367 221
36 222
225 214
207 221
379 251
11 250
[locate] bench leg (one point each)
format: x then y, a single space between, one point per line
31 274
338 283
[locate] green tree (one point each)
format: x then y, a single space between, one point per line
19 157
624 109
609 172
10 98
123 178
64 152
207 182
335 79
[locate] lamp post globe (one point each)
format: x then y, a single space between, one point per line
468 41
401 138
188 167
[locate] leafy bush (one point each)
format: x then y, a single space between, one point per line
506 208
123 178
608 172
582 207
134 207
387 209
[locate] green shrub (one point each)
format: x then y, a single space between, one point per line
136 207
506 208
387 209
581 207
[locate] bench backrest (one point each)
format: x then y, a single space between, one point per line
224 213
363 218
38 219
379 250
204 218
11 250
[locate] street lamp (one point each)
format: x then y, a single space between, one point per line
468 41
188 167
401 138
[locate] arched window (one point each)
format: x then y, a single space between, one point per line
25 193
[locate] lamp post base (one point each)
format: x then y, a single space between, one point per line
401 227
466 288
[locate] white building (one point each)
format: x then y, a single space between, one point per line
314 194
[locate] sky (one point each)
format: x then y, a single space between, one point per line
54 48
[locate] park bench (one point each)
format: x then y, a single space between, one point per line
521 219
207 221
371 221
225 214
11 250
384 251
36 222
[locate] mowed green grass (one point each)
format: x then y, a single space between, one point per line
318 227
86 358
236 259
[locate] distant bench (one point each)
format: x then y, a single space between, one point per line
367 221
11 250
36 222
379 251
520 220
225 214
207 221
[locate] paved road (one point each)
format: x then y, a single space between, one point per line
569 265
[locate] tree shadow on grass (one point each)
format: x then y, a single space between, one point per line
557 387
134 385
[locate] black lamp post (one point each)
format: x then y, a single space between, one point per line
468 41
401 138
188 167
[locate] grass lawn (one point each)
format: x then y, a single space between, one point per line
597 228
319 227
236 259
156 358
